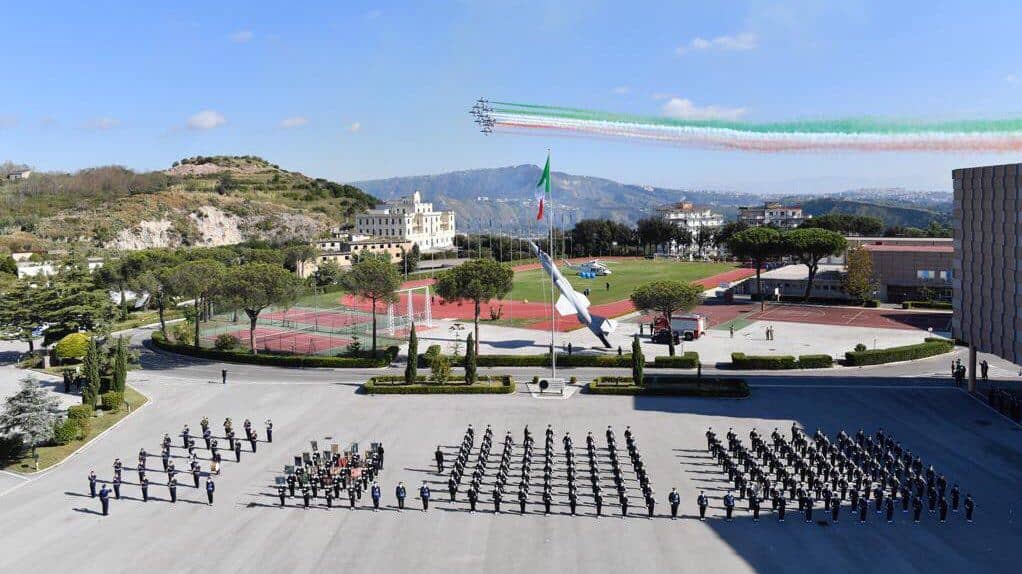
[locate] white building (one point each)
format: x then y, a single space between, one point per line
782 216
409 219
692 218
49 268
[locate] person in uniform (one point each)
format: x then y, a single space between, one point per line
104 499
650 505
237 451
955 495
473 499
674 499
352 495
523 496
917 508
729 505
782 504
943 509
863 510
195 474
400 493
970 507
623 499
439 456
117 487
269 430
281 493
92 483
172 487
835 509
144 485
210 487
547 500
291 484
376 493
424 494
703 502
889 507
497 496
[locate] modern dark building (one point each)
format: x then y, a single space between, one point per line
987 281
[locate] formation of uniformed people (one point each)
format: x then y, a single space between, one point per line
334 475
188 443
809 470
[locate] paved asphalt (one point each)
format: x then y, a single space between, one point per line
49 524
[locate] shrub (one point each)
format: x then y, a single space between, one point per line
396 385
687 360
366 360
942 305
860 348
65 431
182 334
11 447
871 303
763 362
573 380
72 346
226 342
80 413
929 347
815 361
439 369
112 401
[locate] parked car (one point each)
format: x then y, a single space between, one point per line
661 337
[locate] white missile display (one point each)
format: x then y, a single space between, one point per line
572 301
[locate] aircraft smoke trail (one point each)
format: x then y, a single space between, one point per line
867 134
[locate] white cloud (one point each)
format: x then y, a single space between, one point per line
242 36
101 123
736 43
622 90
684 109
355 127
1013 79
294 122
206 120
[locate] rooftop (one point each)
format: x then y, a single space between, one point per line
912 248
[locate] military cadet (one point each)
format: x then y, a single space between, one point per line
523 494
166 459
253 438
703 502
674 499
237 451
281 493
379 454
889 507
400 493
185 434
195 474
970 507
172 487
650 504
917 508
141 459
863 510
754 506
117 487
104 499
424 494
955 494
144 485
352 495
623 499
210 487
376 493
547 500
452 488
808 506
269 430
943 509
782 503
92 483
835 510
497 497
598 497
729 505
206 436
439 456
329 495
291 484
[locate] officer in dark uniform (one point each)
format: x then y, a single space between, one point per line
269 430
835 510
917 508
547 500
863 510
452 488
117 487
104 499
955 495
210 487
523 496
782 504
92 483
329 495
400 493
376 493
650 504
729 505
195 474
970 507
497 496
623 499
943 509
473 498
424 494
237 451
281 493
291 484
352 495
598 497
889 507
253 438
754 506
439 456
144 484
172 487
703 502
674 499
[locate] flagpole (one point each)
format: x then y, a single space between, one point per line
553 311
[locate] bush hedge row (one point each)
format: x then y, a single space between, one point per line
929 347
276 360
673 386
942 305
395 385
815 361
563 360
687 360
780 362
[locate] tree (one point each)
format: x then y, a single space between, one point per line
809 245
30 413
413 258
478 281
412 365
759 244
440 368
470 361
72 303
638 361
120 367
667 298
374 279
654 231
859 280
9 266
847 224
703 236
152 280
22 311
296 254
256 286
328 273
199 281
119 273
727 231
681 236
92 366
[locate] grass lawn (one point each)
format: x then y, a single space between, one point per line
627 275
51 455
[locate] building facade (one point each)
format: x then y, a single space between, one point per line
344 249
409 219
987 280
776 214
688 216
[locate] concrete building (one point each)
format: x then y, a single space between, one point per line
409 219
772 213
987 279
48 268
343 249
686 215
789 282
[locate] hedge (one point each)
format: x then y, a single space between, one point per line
395 385
929 347
80 412
763 362
65 431
72 346
112 401
815 361
273 360
688 360
671 385
563 360
942 305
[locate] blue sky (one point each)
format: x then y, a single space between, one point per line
357 90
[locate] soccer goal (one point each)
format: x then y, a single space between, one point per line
414 305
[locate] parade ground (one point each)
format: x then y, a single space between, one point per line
50 524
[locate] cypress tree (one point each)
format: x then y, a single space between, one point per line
120 370
90 391
638 361
411 367
470 361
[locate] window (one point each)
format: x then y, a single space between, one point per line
945 275
924 274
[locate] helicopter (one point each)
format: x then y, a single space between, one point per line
595 267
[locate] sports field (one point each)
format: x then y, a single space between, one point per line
532 284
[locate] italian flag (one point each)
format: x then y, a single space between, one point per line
544 182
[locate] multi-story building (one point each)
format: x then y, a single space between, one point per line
409 219
684 214
343 249
772 213
987 278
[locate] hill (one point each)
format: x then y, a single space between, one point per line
198 201
505 195
891 215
